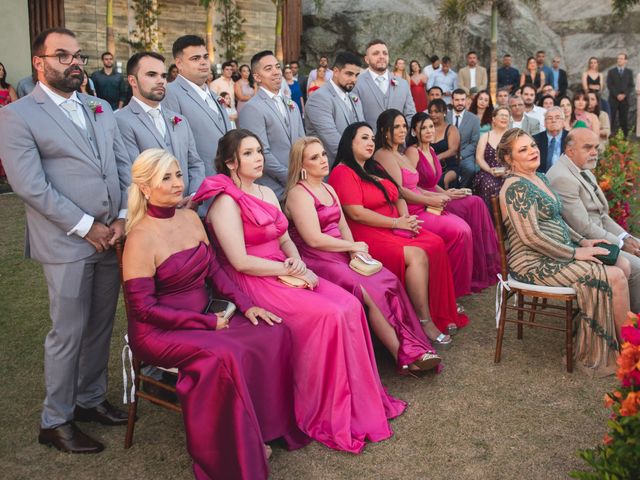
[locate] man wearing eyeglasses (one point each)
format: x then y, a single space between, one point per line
109 83
64 157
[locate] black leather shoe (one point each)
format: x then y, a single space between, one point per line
105 413
69 438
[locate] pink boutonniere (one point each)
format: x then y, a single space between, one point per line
221 101
394 82
96 108
355 99
175 120
290 104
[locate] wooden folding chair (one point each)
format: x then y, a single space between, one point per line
137 375
510 288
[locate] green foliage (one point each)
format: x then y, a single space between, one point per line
146 37
620 7
230 29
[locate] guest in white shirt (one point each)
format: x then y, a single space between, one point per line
445 78
528 95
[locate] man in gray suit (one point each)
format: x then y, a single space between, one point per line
189 95
519 119
275 119
64 157
584 205
332 108
468 125
380 90
145 124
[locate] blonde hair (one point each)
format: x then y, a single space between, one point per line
147 169
296 156
505 146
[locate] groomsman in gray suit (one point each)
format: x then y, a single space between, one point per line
468 124
275 119
189 95
145 124
64 157
379 89
332 107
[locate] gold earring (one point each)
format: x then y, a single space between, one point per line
303 174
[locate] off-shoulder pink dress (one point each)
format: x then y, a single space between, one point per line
234 385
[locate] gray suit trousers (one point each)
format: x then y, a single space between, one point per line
83 297
634 281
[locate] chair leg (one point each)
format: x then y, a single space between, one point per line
532 313
133 406
520 314
544 303
501 322
569 334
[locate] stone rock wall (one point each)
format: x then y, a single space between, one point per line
573 29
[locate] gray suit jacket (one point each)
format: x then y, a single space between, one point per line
261 116
139 134
54 170
584 209
205 124
326 116
469 129
529 125
398 96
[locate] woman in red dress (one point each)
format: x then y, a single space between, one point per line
418 83
378 216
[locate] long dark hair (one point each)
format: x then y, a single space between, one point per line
371 168
579 94
228 147
416 124
3 80
385 127
487 115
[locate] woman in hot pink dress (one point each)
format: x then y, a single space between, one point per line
339 398
390 138
229 409
324 240
469 208
377 216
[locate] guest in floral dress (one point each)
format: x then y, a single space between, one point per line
490 178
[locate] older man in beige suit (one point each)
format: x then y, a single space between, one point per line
584 205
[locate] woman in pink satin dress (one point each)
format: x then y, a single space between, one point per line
390 138
339 399
229 409
323 238
457 204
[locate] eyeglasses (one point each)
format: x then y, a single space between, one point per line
67 58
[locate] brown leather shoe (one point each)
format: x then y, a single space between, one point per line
69 438
105 413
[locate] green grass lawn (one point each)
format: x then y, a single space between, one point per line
523 418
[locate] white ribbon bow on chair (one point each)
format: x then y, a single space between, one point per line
126 352
501 284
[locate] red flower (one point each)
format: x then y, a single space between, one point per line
175 120
96 108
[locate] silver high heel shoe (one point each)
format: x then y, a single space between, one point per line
443 341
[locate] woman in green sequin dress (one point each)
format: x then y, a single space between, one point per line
544 250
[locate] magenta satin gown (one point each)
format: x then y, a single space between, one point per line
234 385
384 288
454 231
339 399
471 209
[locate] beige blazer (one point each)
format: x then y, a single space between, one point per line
464 79
584 208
